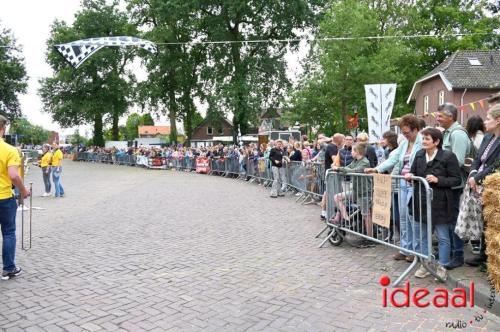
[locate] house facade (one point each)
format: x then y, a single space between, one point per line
212 131
466 79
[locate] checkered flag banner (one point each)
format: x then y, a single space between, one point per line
78 51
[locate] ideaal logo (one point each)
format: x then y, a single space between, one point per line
440 298
422 297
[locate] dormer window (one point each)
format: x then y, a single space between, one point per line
475 62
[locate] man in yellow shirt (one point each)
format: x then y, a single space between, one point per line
57 157
45 164
9 175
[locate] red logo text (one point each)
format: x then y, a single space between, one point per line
421 297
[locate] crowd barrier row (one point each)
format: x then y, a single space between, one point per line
350 195
307 178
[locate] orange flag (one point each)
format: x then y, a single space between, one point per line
481 102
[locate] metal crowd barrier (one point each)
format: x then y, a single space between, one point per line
354 193
232 166
217 166
258 169
308 179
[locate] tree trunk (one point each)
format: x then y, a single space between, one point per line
172 112
115 130
240 111
98 138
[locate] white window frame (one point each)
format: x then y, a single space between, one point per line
426 104
441 97
210 130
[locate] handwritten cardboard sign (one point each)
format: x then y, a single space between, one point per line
382 195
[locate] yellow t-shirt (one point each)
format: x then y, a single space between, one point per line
46 160
8 157
57 157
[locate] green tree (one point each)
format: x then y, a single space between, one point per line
134 120
101 85
335 78
13 78
27 133
173 74
146 120
248 77
336 71
77 139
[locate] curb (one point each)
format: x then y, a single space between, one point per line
482 295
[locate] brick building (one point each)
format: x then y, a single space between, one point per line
464 77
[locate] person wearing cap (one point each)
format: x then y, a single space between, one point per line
9 175
57 170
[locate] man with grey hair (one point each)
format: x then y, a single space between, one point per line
456 140
9 175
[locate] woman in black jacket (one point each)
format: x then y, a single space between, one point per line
441 170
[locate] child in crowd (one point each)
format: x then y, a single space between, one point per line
361 188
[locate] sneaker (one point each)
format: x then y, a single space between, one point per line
422 272
399 257
323 215
9 275
410 259
456 262
441 273
298 194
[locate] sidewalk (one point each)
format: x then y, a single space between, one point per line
484 292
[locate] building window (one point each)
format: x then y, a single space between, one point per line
441 97
474 62
210 131
426 104
221 131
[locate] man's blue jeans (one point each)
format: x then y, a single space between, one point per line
56 177
8 209
444 234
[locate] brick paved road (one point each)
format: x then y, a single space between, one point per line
138 250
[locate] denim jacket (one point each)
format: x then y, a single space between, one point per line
398 155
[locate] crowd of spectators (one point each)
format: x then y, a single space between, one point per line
439 155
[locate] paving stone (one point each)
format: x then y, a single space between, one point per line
129 249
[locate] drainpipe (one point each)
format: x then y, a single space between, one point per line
461 108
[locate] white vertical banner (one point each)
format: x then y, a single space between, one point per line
379 105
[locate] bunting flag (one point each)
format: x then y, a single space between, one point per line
433 114
481 102
473 106
78 51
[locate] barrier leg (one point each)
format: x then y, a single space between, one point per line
319 234
332 233
405 274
